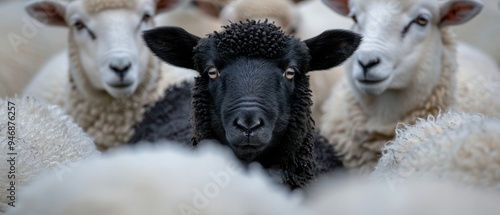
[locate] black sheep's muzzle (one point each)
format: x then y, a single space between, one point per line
248 131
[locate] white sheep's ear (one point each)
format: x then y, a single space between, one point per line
173 45
339 6
48 12
331 48
165 5
456 12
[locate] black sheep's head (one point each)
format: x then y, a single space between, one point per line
252 76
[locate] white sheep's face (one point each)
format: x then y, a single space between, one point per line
108 38
401 40
110 47
397 39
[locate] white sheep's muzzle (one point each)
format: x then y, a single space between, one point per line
372 72
120 75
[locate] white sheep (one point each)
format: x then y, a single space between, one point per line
112 75
160 180
25 45
405 68
454 146
416 197
44 84
42 139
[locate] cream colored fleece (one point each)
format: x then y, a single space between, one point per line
455 146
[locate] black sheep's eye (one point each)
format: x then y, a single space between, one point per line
213 73
146 18
289 73
354 18
79 25
422 21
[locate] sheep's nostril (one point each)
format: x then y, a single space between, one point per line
367 65
249 124
121 70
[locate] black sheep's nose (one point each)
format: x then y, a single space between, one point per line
248 124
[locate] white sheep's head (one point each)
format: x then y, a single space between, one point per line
400 37
107 35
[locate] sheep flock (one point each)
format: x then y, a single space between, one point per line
228 107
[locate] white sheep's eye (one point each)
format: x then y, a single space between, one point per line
422 21
289 73
79 25
213 73
146 18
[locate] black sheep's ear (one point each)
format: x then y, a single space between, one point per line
331 48
173 45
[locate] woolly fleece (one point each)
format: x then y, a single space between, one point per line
150 180
45 140
455 146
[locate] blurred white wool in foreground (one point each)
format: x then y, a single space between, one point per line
41 138
454 145
416 197
160 179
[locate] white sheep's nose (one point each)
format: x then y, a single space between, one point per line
367 61
120 65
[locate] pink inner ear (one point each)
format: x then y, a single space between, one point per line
167 4
49 14
208 7
458 13
339 6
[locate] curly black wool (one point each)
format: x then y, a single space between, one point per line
168 118
326 158
252 39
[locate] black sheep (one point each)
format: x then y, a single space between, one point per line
253 92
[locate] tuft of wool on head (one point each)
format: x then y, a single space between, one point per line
161 179
454 145
251 38
95 6
45 140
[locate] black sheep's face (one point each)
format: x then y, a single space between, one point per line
251 73
252 100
